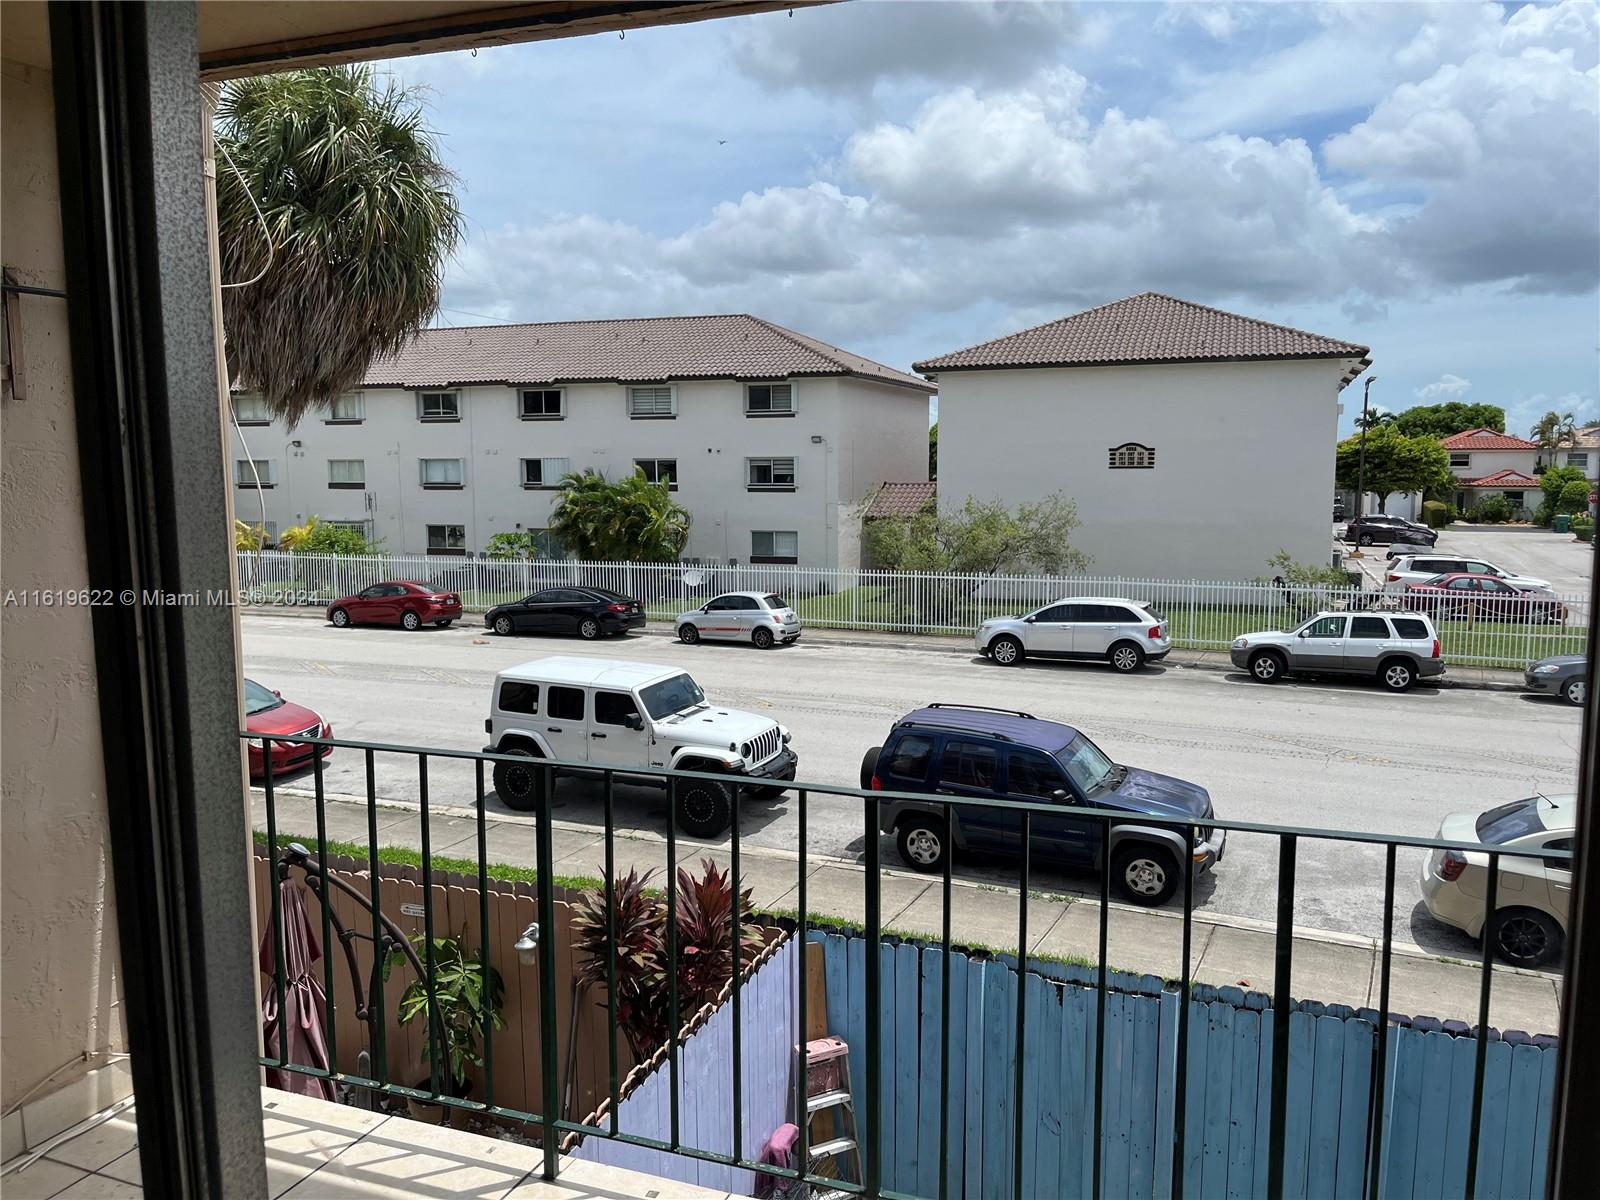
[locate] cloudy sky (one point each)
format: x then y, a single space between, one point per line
907 178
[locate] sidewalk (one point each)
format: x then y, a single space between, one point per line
1331 967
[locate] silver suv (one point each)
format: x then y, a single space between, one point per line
1419 568
1397 649
1125 633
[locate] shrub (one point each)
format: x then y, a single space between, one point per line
1435 514
1494 509
1574 497
1583 527
1544 514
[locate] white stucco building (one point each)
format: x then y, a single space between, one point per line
1486 462
771 438
1196 443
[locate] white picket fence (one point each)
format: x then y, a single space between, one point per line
1203 615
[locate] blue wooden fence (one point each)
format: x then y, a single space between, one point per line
1227 1106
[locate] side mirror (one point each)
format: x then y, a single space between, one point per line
1030 620
1061 796
634 722
277 693
1303 633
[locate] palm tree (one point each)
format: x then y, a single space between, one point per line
345 258
631 520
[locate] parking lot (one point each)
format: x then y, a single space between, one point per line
1521 549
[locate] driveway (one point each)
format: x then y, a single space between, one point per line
1526 550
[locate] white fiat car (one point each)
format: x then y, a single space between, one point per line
1125 633
762 619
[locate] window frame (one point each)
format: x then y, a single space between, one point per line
1461 460
438 419
422 475
775 557
750 465
542 485
1579 459
446 551
1131 456
561 404
333 417
240 419
609 693
751 411
345 484
672 478
672 401
245 479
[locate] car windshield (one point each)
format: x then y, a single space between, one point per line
1434 581
775 601
671 695
1086 764
1510 821
258 699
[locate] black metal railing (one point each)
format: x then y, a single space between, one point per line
552 1126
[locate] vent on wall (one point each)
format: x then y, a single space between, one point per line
1132 455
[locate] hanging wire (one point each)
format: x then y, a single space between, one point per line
265 232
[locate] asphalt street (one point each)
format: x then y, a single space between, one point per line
1330 755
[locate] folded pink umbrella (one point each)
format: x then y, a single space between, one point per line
304 1001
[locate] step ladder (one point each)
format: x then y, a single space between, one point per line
828 1087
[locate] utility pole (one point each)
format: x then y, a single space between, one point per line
1361 466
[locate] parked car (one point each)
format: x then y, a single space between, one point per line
589 612
1378 529
763 619
619 715
1338 507
1125 633
1566 675
267 712
956 750
1483 597
1397 649
408 603
1532 896
1410 568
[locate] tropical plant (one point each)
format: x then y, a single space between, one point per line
1394 462
1574 497
1555 480
1554 430
316 536
630 520
1374 418
518 544
1495 509
705 931
247 536
1453 416
1300 574
461 1002
356 220
640 923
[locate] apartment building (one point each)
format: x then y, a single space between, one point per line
769 438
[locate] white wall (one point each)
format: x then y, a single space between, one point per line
1244 458
868 432
1486 462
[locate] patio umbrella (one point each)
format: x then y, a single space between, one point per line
304 1001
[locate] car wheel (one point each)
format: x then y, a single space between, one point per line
762 638
869 766
588 629
1126 657
1006 651
921 844
410 620
1575 690
502 626
1365 539
1144 874
516 784
1525 937
1397 675
340 619
704 808
444 624
1266 666
688 635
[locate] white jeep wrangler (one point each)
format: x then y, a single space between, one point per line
601 713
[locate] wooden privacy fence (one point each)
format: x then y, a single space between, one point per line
1427 1110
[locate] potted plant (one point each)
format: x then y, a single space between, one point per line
461 1005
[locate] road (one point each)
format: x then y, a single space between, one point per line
1331 755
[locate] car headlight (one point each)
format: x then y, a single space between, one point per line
744 750
1546 669
1240 643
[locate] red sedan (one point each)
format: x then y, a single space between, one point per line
266 712
1483 597
408 603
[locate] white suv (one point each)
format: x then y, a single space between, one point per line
1125 633
608 714
1418 568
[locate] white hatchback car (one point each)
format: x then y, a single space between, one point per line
763 619
1125 633
1532 897
1419 568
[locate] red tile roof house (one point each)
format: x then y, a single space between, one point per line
1195 442
1488 463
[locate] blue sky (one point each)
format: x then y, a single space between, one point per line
906 178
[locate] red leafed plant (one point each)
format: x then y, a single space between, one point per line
705 932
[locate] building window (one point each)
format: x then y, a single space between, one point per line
1131 455
439 406
1460 460
659 470
251 410
774 546
769 474
442 472
347 473
541 404
769 399
251 473
349 409
1579 459
1514 499
545 472
646 403
447 539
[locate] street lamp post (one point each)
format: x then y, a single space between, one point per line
1361 466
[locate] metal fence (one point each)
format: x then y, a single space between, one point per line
1201 614
878 1055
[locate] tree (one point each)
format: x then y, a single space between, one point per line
1574 497
1441 420
631 520
1375 418
981 537
247 536
1394 463
511 545
933 451
359 220
1554 430
318 537
1555 481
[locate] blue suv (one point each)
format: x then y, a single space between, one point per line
960 750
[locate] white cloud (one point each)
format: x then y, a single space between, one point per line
1447 386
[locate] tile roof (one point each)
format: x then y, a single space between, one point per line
643 350
1485 439
1502 479
1148 328
900 499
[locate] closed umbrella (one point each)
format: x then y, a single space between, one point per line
304 1001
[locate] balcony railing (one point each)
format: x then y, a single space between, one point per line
546 1119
